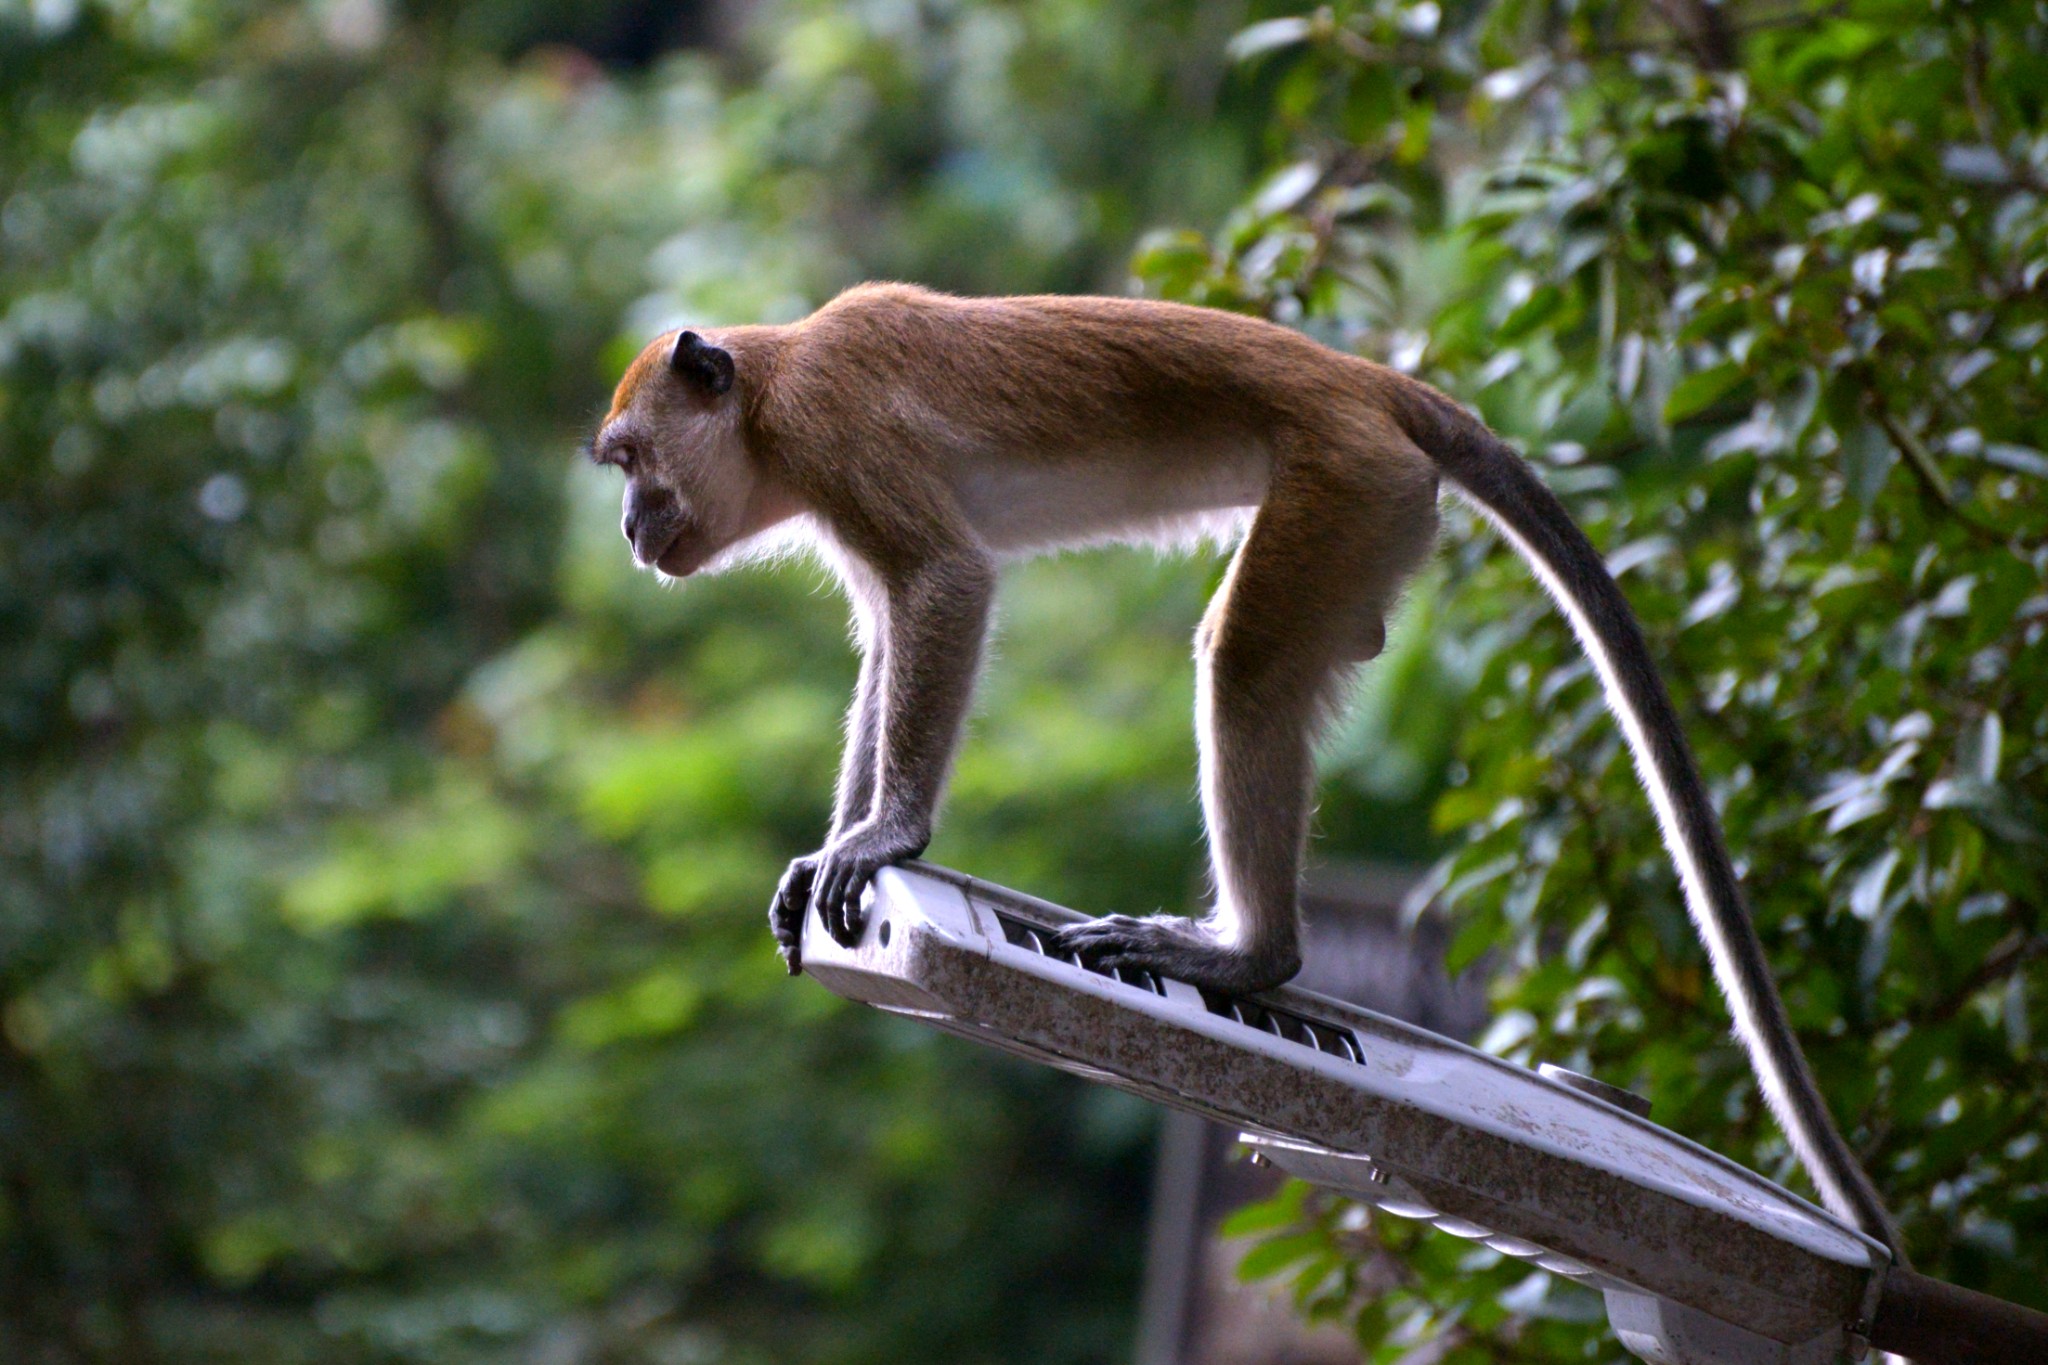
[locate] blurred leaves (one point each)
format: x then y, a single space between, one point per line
383 863
1760 297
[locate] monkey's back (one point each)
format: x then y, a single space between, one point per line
1045 411
1047 373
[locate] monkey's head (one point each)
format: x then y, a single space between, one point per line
692 491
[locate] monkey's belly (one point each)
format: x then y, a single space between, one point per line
1169 501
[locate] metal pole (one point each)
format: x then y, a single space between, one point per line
1932 1323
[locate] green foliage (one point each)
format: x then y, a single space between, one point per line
383 865
1771 318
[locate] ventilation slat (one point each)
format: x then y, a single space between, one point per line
1333 1040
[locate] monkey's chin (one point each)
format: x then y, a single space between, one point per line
680 561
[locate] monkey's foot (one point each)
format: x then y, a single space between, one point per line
1168 945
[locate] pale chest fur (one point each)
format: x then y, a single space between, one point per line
1105 496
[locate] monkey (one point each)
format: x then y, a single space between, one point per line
918 439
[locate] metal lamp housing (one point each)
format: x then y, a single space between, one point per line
1701 1261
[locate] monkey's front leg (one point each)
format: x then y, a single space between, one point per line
932 628
854 800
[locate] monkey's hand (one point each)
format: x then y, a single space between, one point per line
846 866
786 911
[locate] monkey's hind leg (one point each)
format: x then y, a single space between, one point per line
1306 595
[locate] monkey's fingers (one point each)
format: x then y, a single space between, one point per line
826 898
820 903
786 911
787 926
790 946
1173 947
840 898
1169 946
1095 938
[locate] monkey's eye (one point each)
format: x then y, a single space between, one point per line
620 454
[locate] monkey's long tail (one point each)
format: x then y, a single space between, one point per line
1572 571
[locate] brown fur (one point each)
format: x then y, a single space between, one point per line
1147 418
920 438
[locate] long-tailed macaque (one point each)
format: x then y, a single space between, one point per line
920 439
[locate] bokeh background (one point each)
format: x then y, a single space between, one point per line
383 972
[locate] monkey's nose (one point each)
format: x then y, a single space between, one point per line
650 536
636 529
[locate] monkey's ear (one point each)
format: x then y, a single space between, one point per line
698 361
